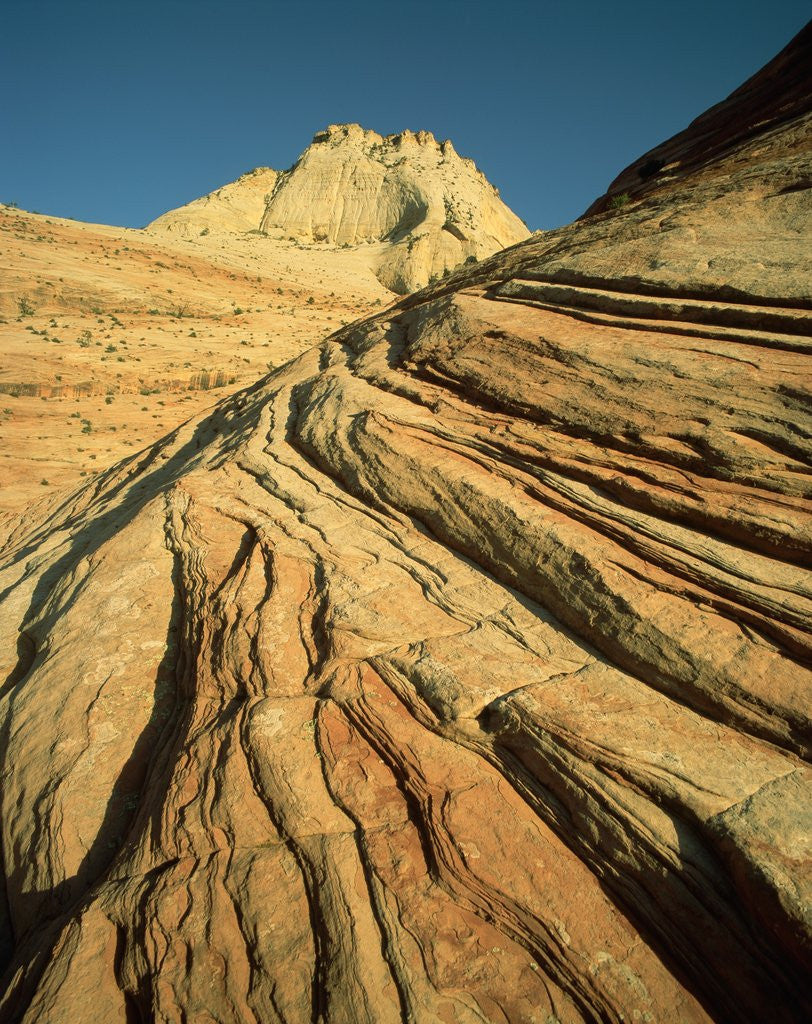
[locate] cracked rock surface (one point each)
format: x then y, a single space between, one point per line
456 671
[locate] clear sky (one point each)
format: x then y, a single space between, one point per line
114 111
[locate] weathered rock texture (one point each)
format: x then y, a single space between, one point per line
236 207
456 671
432 208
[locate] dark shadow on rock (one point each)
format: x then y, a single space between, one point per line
689 914
51 910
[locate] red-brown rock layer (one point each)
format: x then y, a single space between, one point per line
456 671
769 111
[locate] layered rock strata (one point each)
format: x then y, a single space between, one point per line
770 110
431 209
435 208
458 670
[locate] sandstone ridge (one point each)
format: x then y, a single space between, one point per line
769 109
432 209
458 670
237 207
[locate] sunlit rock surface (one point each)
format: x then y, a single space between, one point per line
456 671
415 207
236 207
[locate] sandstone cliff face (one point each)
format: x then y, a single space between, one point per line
431 208
458 670
236 207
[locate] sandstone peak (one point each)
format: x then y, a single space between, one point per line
425 207
355 133
389 149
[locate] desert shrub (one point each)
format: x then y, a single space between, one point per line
619 201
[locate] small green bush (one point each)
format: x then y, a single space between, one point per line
619 201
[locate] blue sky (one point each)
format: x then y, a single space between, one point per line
116 111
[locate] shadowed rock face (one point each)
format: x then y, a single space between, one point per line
769 110
456 671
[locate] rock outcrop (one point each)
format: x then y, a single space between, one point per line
236 207
458 670
435 208
432 209
769 110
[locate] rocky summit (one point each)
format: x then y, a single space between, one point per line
459 669
431 208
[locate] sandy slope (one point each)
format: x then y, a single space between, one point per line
133 332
